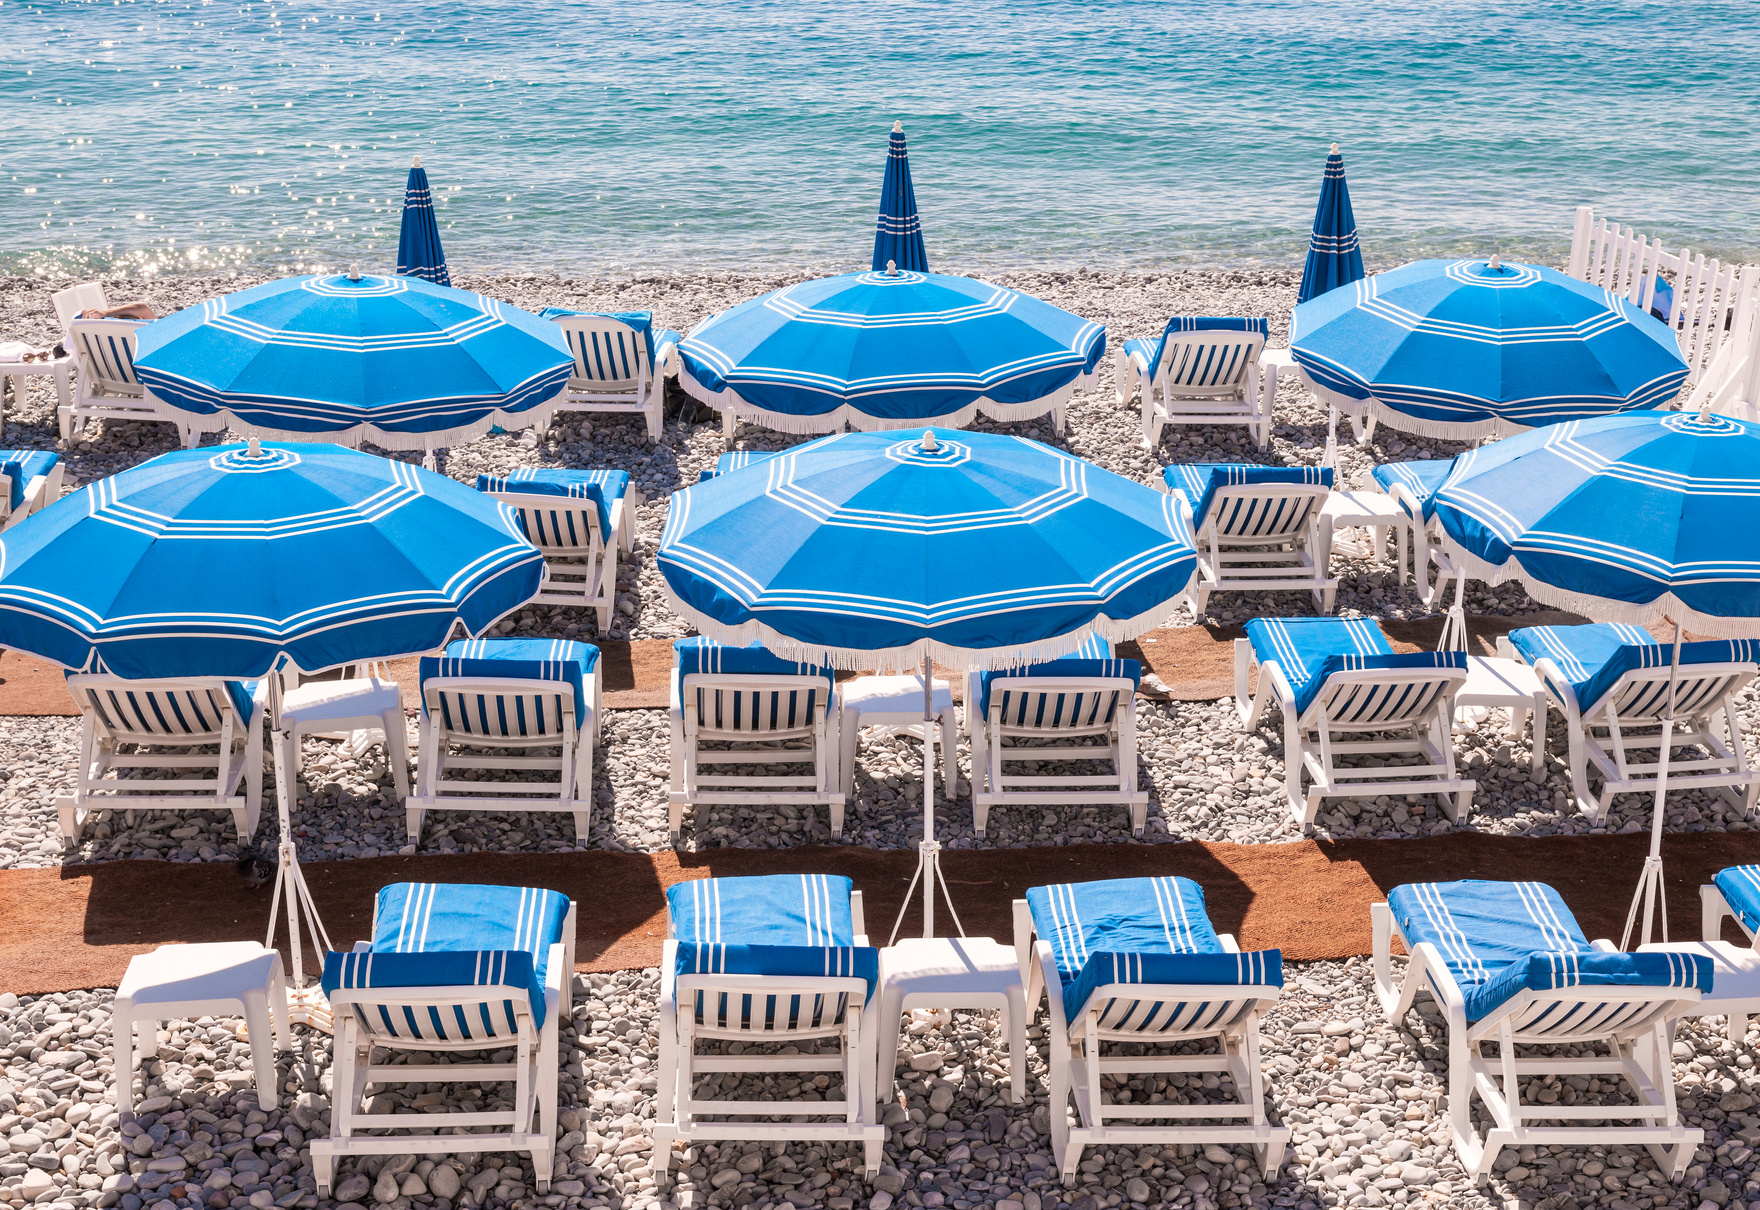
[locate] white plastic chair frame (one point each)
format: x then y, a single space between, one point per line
105 383
752 719
1628 718
580 562
1041 708
718 1011
39 492
498 729
612 372
1202 378
530 1126
1713 907
1263 536
164 714
1631 1021
1400 711
1150 1015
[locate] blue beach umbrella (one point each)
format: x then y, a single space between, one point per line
887 351
1634 518
867 550
418 244
397 361
1334 259
1467 349
230 561
898 234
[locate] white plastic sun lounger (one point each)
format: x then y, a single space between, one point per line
29 480
1257 527
1202 370
578 520
105 383
620 364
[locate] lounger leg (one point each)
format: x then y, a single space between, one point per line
256 1021
122 1035
583 779
949 754
1063 1153
1579 762
849 735
427 778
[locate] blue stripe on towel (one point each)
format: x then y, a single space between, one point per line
515 660
1310 650
1092 658
773 909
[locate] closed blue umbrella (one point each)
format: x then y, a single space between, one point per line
1635 518
898 235
418 244
871 550
232 560
886 351
1334 259
397 361
1467 349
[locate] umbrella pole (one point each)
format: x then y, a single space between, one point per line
1330 458
929 851
1454 626
306 1005
1650 890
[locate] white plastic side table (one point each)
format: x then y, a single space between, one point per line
1735 982
1377 512
951 972
1499 682
896 703
180 981
19 371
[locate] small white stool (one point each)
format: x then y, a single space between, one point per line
363 703
1360 508
20 371
1500 682
896 703
951 972
181 981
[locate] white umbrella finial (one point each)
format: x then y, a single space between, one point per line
354 272
891 268
254 449
929 444
898 126
1335 149
416 162
1496 263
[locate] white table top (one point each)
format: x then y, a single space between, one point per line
894 695
1493 679
950 964
1736 982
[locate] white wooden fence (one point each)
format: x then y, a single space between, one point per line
1713 311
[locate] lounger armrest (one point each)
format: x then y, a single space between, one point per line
1713 907
1023 951
1228 943
557 981
362 947
1053 989
1557 687
1603 945
666 359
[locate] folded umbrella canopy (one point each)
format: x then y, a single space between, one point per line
418 243
1334 259
898 233
883 350
1479 348
397 361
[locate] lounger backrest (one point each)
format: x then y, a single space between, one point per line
1152 1012
1198 365
753 705
769 992
1589 1013
1058 705
450 998
566 526
1266 511
105 348
190 712
1642 694
491 708
607 352
87 296
1377 699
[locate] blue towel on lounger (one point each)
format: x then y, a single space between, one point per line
734 461
1092 658
1310 650
1740 885
514 660
1501 938
1150 350
1422 479
772 909
1592 658
601 487
119 701
641 321
22 466
1198 481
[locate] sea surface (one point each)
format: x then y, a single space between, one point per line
596 137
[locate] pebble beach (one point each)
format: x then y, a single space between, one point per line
1364 1096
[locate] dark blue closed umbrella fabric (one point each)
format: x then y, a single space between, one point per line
1334 259
898 235
418 245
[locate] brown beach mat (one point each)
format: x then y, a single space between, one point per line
76 927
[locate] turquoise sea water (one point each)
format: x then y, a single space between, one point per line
582 136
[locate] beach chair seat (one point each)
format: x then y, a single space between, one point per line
620 363
1508 964
104 381
129 730
1132 965
1413 486
1611 683
32 481
578 520
742 706
1052 712
766 972
450 969
1345 693
1202 370
533 703
735 460
1256 528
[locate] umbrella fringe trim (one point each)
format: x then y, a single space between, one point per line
1605 609
909 658
219 422
1447 430
728 399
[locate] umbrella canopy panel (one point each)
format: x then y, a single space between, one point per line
873 550
221 562
887 351
396 360
1476 348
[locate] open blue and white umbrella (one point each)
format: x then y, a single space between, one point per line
888 351
1634 518
1478 348
1334 259
234 560
397 361
879 550
898 234
418 242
